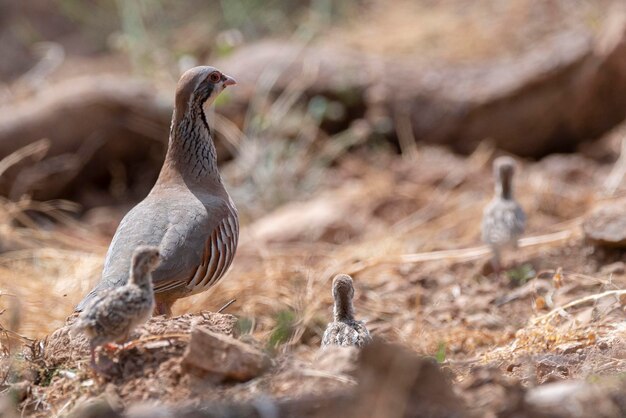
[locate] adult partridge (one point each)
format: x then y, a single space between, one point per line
188 213
115 313
503 218
344 331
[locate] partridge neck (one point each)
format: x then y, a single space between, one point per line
343 310
191 150
504 188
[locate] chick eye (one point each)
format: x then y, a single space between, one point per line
215 76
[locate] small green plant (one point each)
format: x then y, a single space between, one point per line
245 325
46 376
594 378
284 328
520 275
440 355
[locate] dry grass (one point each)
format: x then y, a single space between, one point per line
413 222
414 252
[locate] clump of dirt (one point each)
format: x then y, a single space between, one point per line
61 348
151 368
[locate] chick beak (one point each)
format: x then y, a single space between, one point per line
229 81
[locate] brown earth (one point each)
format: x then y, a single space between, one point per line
407 231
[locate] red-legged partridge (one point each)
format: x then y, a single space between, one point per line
188 213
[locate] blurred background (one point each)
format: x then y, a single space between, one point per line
359 131
94 80
359 139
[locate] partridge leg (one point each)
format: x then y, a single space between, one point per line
126 343
163 308
94 365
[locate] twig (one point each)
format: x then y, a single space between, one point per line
546 239
406 139
464 254
160 337
63 408
232 135
37 149
578 302
223 308
15 335
320 373
461 362
52 55
615 177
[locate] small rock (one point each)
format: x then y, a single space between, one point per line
337 360
223 357
330 217
7 407
95 408
606 226
106 405
572 398
60 346
551 368
149 411
390 375
485 320
19 391
569 347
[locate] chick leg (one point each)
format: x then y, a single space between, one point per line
496 261
127 343
92 349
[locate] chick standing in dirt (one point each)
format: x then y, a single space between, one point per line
503 218
114 314
345 331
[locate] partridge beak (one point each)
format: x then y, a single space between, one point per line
229 81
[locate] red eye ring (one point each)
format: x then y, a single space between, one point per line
215 77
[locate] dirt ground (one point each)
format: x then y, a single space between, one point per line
408 232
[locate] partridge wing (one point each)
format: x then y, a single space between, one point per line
198 251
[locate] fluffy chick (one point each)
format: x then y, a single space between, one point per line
115 313
504 220
345 331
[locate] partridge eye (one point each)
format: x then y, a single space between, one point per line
215 76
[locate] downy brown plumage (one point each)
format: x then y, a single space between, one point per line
344 331
503 219
116 312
